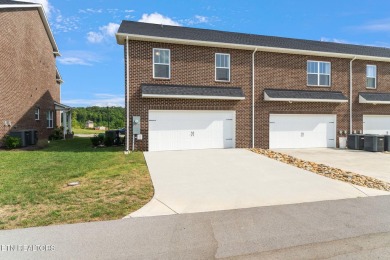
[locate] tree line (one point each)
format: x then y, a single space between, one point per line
101 116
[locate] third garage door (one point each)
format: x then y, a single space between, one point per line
376 124
302 131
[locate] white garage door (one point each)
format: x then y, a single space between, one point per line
376 124
186 130
302 131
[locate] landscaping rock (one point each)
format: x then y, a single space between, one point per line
327 171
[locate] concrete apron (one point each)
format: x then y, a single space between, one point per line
212 180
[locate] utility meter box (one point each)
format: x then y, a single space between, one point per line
136 125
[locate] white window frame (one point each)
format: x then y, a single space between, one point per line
318 73
216 54
376 75
50 119
169 64
37 112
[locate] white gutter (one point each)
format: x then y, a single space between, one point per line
122 36
127 98
253 98
350 96
191 97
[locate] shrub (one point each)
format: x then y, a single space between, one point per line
57 134
95 141
108 141
12 142
101 137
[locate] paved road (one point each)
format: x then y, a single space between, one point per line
343 229
222 179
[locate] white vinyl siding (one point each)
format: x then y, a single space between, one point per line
49 118
222 67
371 76
161 63
318 73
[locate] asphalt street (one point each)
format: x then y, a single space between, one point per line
342 229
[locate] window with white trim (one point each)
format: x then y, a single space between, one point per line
318 73
49 118
222 67
36 113
161 63
371 76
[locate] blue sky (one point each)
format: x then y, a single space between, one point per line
92 63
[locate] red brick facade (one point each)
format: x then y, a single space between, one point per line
27 72
195 65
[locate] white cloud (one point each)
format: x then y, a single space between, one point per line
45 3
98 99
95 37
105 32
110 29
377 26
199 19
325 39
158 19
83 58
129 11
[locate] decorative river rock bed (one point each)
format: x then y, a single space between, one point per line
327 171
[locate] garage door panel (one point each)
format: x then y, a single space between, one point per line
302 131
184 130
376 124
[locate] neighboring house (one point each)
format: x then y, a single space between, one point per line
197 89
89 124
100 128
30 82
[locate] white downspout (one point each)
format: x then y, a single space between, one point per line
253 98
350 95
127 98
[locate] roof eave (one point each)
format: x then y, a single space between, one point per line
120 37
362 100
290 100
191 97
44 20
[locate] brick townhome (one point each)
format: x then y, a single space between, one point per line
30 82
195 88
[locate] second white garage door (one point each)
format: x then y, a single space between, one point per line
376 124
186 130
302 131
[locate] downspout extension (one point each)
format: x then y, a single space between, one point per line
350 95
127 98
253 98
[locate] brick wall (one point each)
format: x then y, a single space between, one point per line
359 85
194 65
27 72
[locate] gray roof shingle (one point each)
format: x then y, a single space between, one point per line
158 90
9 2
206 35
375 96
305 94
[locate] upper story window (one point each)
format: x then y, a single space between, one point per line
49 119
161 63
36 113
318 73
371 76
222 67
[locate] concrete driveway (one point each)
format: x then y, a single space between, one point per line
210 180
371 164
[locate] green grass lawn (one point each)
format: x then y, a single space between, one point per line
87 131
34 191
